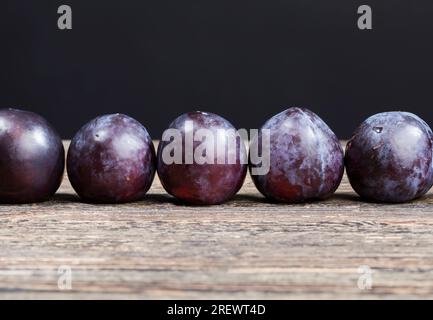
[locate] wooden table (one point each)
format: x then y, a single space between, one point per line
246 248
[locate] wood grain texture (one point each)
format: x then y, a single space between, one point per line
246 248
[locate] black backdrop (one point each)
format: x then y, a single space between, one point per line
245 60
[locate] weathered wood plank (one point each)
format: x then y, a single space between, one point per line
246 248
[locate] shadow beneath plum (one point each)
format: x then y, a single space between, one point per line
66 198
147 199
427 197
354 198
351 197
168 199
253 199
237 200
58 198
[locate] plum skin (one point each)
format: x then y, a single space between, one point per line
389 158
306 158
32 157
111 159
202 184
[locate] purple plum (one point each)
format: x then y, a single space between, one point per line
306 160
389 157
202 175
111 160
32 157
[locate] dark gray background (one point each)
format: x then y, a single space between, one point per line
245 60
